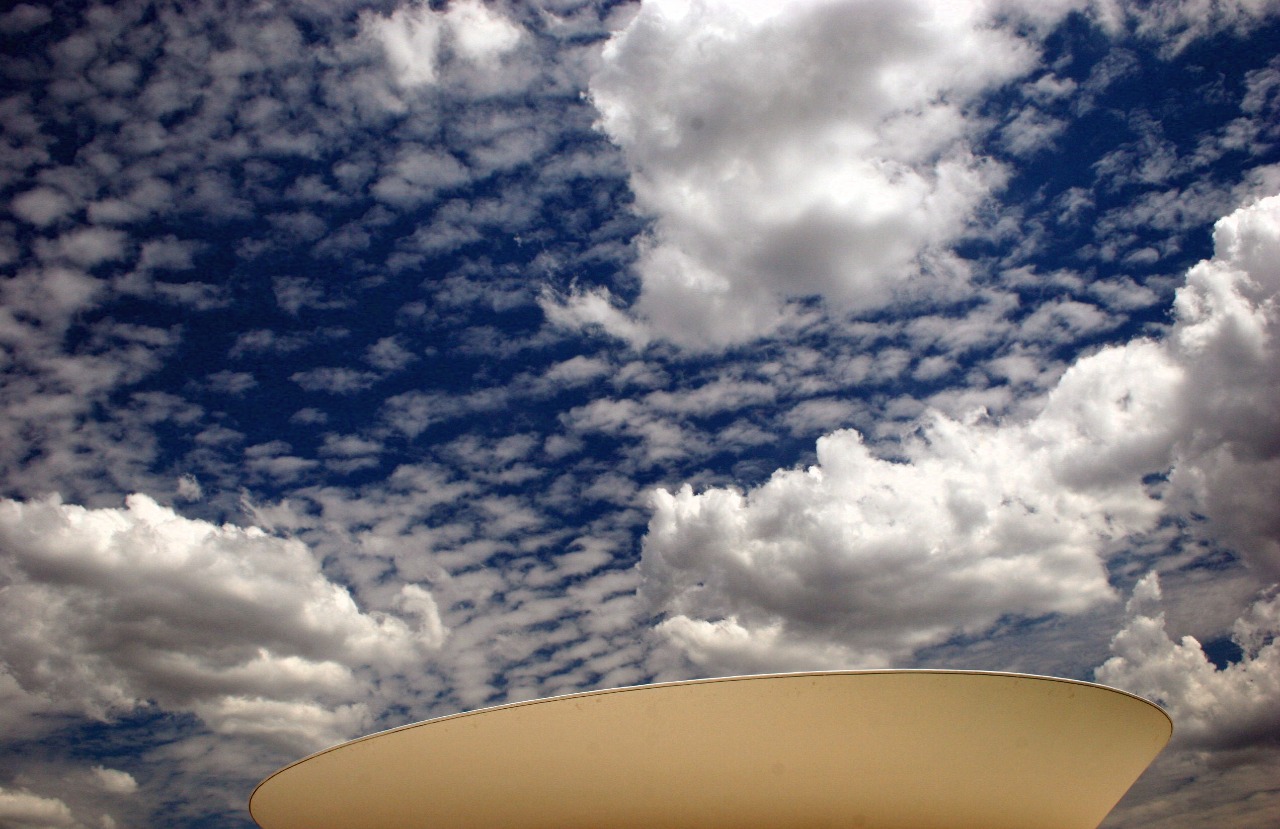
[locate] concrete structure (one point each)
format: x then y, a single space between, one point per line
870 749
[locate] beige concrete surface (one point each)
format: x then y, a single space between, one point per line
875 749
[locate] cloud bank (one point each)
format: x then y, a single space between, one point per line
107 610
1214 708
865 559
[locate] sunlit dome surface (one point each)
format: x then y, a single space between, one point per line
873 749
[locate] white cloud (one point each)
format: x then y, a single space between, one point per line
863 559
109 609
1179 23
1064 321
1231 707
86 246
309 416
142 200
168 253
415 39
189 488
411 412
720 395
272 460
52 295
23 810
348 446
576 371
410 38
231 382
660 437
294 293
592 308
389 355
24 17
819 414
1228 336
334 379
417 175
1031 131
41 206
294 726
815 148
264 340
114 780
480 34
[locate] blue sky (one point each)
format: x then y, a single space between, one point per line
368 362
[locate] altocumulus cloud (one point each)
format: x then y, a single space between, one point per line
112 609
416 40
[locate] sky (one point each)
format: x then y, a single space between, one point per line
365 362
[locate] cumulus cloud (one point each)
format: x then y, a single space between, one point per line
23 810
114 780
1232 707
1228 339
862 560
824 148
294 725
817 148
865 558
65 797
105 610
